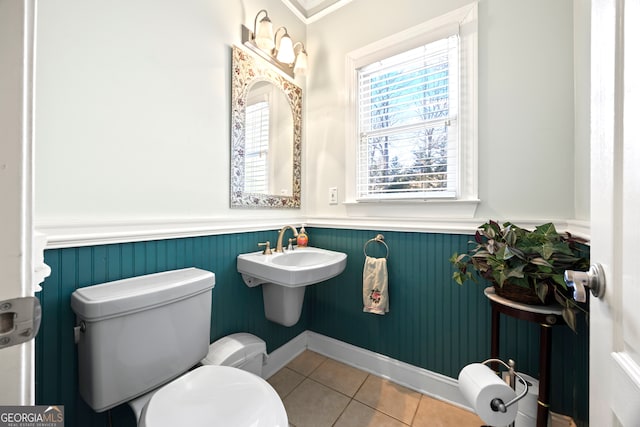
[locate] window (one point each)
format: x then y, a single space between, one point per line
413 105
407 113
256 148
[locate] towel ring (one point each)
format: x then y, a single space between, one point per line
379 239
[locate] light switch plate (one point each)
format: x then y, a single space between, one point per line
333 195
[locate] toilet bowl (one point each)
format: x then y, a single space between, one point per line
240 350
156 376
220 380
215 396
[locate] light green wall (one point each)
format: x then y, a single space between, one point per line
526 101
139 92
582 97
126 90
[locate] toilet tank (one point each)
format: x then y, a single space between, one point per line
136 334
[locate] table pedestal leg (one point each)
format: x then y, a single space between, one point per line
545 374
495 337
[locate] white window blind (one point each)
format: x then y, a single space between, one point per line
256 148
408 124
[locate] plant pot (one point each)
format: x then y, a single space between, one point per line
520 294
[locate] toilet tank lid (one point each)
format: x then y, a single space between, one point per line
125 296
235 349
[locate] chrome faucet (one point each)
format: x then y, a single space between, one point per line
281 234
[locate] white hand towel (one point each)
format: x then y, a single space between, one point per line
375 295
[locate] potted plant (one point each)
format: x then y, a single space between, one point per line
524 265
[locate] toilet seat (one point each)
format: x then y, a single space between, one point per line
215 396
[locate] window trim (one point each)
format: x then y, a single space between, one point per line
464 18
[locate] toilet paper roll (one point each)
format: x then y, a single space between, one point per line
480 385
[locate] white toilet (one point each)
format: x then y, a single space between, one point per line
138 340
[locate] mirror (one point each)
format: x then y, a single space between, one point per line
266 129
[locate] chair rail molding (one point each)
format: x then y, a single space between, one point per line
82 234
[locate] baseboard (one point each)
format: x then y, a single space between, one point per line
279 358
422 380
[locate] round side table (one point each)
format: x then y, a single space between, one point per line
546 316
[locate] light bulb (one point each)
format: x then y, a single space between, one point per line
285 51
301 64
264 35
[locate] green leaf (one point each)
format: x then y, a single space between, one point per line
540 261
542 290
458 277
545 270
519 281
456 259
518 252
562 248
481 254
548 230
504 253
547 250
490 231
480 265
492 246
510 237
499 277
518 271
569 316
566 258
559 279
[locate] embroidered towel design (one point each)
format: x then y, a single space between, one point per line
375 295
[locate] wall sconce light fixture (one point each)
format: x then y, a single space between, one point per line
280 51
263 32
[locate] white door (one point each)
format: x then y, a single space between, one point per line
16 68
615 212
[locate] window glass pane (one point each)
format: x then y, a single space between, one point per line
412 161
408 123
256 148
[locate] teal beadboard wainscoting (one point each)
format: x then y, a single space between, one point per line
433 323
235 307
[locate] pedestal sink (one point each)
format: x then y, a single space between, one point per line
285 275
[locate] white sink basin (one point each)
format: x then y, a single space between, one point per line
300 267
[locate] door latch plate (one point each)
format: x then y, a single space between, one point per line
19 320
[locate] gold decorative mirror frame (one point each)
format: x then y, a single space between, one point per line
248 69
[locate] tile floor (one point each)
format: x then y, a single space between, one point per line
321 392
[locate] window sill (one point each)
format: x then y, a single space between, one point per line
423 208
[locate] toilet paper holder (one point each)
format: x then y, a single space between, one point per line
497 405
493 397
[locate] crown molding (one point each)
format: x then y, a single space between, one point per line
310 13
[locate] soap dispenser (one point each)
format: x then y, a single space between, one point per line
303 239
